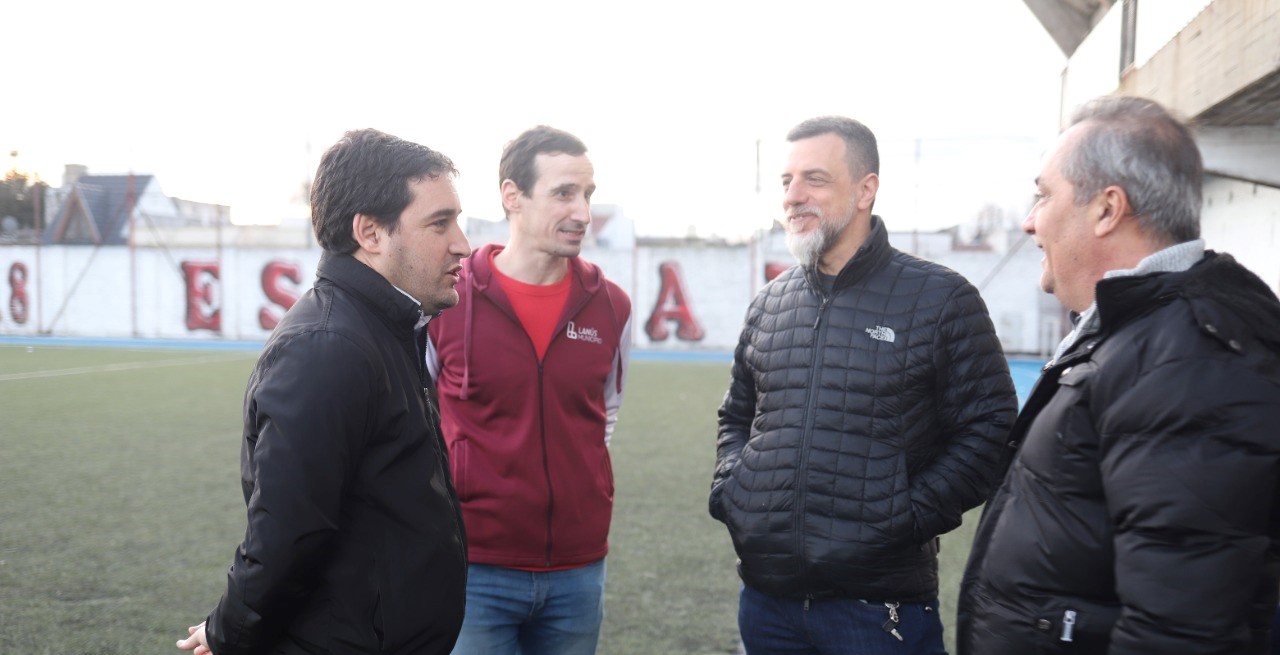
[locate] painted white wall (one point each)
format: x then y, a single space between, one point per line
1094 69
1243 218
88 292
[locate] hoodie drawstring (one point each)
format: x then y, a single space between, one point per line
466 332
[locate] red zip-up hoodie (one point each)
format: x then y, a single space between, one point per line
528 440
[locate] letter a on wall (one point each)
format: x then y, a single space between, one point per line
672 306
204 296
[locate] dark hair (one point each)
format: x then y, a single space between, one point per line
861 152
517 163
1136 144
368 172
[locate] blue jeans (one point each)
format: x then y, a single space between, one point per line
514 612
835 626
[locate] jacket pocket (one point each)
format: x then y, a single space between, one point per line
1024 626
1073 625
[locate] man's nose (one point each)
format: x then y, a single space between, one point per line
795 195
582 211
1029 223
459 244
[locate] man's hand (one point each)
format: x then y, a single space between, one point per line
196 641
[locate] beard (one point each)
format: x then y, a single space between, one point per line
809 248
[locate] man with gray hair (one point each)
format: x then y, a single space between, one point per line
867 411
1141 513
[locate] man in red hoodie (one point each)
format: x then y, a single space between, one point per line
530 368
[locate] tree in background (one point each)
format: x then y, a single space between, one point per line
18 198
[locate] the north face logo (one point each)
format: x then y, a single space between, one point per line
881 333
583 334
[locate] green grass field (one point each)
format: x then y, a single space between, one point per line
120 503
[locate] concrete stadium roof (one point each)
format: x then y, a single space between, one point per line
1069 21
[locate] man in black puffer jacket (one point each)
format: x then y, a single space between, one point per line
1142 512
867 410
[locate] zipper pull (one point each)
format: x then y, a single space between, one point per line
821 308
1068 624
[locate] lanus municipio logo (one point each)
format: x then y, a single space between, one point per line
882 333
583 333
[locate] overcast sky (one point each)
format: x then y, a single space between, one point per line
233 102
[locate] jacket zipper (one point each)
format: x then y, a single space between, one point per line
433 416
546 460
801 469
542 407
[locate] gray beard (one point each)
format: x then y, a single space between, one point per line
808 249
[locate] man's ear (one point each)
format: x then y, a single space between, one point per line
867 188
368 233
1112 209
512 198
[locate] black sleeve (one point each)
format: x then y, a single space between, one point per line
305 420
976 408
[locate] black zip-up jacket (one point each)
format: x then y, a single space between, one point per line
859 426
354 541
1142 512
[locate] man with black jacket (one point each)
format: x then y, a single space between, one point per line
867 410
1140 514
354 541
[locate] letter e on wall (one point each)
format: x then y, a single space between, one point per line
204 296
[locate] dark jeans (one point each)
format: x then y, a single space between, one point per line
836 626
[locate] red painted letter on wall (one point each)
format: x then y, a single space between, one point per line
672 306
204 296
277 292
18 303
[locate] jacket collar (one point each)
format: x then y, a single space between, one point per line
1227 300
872 255
352 275
1120 299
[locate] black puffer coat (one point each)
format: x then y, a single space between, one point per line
859 427
1142 513
354 541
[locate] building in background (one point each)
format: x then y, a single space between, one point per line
113 210
1214 63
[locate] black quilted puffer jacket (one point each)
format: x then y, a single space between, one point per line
859 426
1142 511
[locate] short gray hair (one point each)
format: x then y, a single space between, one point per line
1137 145
861 153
